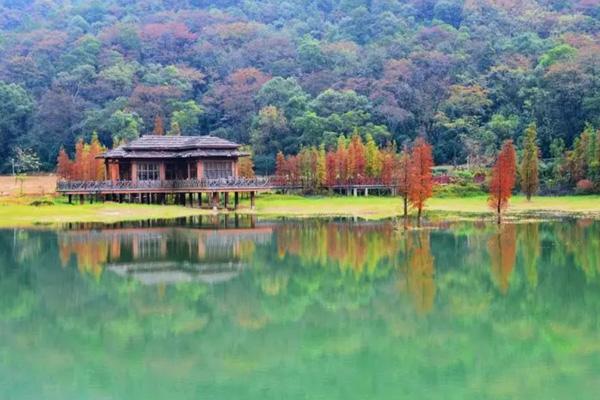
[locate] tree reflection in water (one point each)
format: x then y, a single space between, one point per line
464 311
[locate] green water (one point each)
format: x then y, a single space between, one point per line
300 310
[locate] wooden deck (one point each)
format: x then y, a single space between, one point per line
172 186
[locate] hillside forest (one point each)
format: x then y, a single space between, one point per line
288 75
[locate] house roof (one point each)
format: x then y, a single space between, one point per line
154 146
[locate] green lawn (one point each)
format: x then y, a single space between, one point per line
381 207
60 212
19 213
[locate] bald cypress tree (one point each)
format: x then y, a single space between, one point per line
529 163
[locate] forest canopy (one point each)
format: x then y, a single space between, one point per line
283 75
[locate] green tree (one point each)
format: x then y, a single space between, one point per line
529 162
125 126
186 115
16 109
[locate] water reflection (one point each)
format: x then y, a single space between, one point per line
162 254
312 309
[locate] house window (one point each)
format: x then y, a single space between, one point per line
148 172
217 169
171 172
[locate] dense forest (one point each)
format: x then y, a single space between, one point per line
286 74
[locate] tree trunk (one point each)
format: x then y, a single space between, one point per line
419 217
405 212
499 213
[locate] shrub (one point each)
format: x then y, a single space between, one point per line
459 190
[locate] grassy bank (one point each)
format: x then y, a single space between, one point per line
18 211
384 207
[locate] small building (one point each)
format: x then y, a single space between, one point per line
170 158
160 169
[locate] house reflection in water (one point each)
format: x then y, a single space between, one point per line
164 255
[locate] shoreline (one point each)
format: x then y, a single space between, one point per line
17 212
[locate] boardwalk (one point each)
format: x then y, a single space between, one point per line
191 191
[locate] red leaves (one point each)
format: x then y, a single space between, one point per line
503 178
159 128
356 160
421 181
86 166
64 167
175 30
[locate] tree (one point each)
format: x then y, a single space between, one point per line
246 164
404 177
373 158
186 116
356 158
503 179
26 160
124 126
529 163
16 108
421 187
64 165
174 131
87 166
159 128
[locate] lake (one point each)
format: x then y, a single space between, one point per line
238 308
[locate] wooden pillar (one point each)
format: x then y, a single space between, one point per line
134 171
215 200
120 195
200 199
236 200
199 169
81 199
70 198
226 200
191 199
252 205
162 171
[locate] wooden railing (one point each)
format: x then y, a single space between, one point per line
174 185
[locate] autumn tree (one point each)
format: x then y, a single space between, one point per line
87 165
246 164
421 187
159 128
403 180
529 163
280 164
503 179
356 159
64 165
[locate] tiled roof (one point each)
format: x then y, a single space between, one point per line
153 146
179 143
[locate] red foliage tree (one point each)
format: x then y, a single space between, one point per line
87 165
503 179
421 187
403 180
64 168
343 166
387 168
330 169
356 159
159 128
280 168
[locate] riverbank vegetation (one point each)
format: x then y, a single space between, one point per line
286 75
